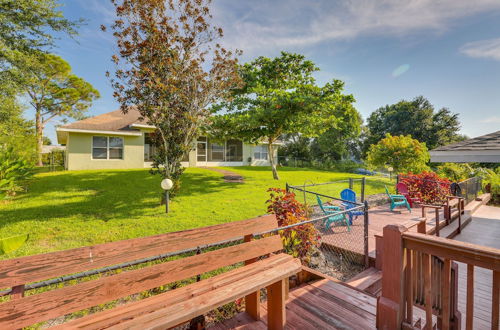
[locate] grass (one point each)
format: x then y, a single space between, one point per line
65 210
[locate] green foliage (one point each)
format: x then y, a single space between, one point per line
12 243
299 241
341 140
455 172
280 96
53 91
491 182
416 118
15 172
297 146
15 131
402 153
27 25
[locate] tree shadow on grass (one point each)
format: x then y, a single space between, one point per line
104 195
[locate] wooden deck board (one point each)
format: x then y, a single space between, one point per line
483 230
379 217
319 305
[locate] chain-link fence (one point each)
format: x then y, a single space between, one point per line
341 225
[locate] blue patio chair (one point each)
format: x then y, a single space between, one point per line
397 200
328 209
350 196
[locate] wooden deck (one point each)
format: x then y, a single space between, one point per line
318 305
483 230
379 217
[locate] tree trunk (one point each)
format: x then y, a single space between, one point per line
39 136
272 160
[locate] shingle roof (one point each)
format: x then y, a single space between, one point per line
486 142
111 121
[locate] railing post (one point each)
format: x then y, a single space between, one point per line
366 221
287 187
351 183
363 183
391 304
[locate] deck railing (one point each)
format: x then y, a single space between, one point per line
413 258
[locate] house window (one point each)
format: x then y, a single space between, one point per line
260 152
107 147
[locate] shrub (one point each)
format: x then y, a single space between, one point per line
455 172
431 186
15 172
298 241
492 181
402 153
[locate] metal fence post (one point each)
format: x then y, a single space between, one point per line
287 187
363 183
351 183
365 221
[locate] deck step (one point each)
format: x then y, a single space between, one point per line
369 280
317 305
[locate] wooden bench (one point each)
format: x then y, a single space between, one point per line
166 309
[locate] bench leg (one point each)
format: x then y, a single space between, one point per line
252 305
276 314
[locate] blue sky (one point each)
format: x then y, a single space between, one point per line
384 50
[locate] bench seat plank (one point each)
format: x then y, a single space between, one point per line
20 271
176 314
136 309
44 306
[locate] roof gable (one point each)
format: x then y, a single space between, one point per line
111 121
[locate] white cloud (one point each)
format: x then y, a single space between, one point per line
490 120
483 49
258 24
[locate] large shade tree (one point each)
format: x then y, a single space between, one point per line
171 67
417 118
53 91
280 96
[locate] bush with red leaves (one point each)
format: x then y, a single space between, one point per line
431 186
298 241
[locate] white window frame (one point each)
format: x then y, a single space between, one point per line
258 151
107 147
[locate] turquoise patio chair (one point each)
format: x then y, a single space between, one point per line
333 210
397 200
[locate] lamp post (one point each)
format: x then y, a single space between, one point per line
166 184
390 169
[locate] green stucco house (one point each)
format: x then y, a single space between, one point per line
120 141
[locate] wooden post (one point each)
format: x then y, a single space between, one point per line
351 183
379 247
495 301
469 315
437 221
391 304
363 183
276 313
252 301
17 292
421 227
365 223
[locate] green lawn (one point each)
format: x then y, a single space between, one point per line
71 209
